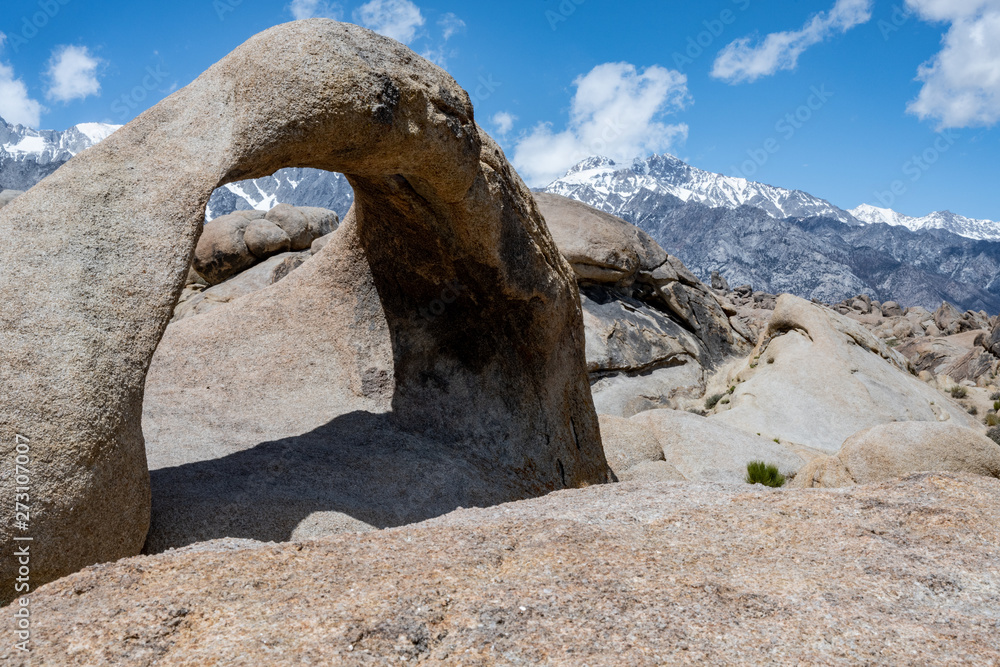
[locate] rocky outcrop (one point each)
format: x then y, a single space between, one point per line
652 327
623 574
667 444
817 377
891 451
496 380
199 298
233 243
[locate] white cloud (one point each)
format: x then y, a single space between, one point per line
450 25
309 9
73 74
962 82
15 105
504 122
398 19
744 61
616 112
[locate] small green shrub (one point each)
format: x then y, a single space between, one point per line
724 401
759 472
731 390
959 392
996 406
713 400
973 411
994 434
992 419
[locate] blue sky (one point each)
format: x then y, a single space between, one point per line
846 99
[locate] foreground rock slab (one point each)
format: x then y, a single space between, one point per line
668 445
630 574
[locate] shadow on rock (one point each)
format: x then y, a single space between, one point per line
356 473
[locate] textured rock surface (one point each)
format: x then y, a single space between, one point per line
264 238
200 301
817 378
222 251
653 329
625 574
600 247
499 376
233 243
892 451
699 449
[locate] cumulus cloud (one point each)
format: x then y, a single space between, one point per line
398 19
504 122
961 84
745 60
16 106
617 111
310 9
72 74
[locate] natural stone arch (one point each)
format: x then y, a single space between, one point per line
96 255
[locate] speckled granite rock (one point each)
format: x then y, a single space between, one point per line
96 256
629 574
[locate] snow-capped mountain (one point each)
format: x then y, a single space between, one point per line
601 183
980 230
27 156
298 187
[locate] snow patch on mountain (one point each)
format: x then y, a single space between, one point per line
601 183
979 230
298 187
28 155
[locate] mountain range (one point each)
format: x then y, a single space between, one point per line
27 156
780 240
775 239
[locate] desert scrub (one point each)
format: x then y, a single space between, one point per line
973 411
992 419
995 396
759 472
994 434
713 400
959 392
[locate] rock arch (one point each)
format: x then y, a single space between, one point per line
95 257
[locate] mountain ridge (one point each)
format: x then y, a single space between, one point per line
28 155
